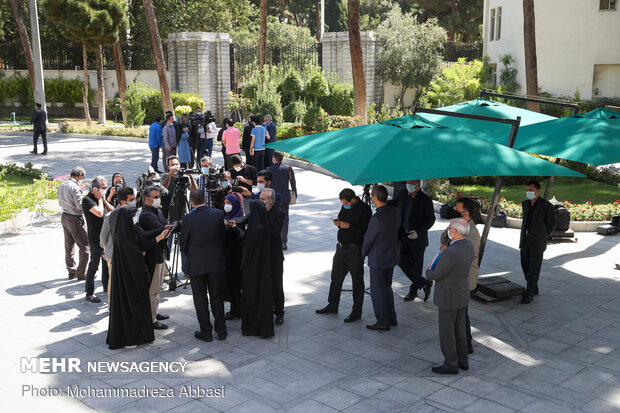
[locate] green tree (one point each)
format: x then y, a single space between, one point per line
458 82
92 23
336 15
461 19
411 53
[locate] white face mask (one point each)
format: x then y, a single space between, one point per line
132 203
102 191
238 168
156 203
449 235
530 195
228 207
260 186
411 188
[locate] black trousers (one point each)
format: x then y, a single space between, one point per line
452 336
411 262
468 328
205 286
531 261
277 286
35 140
347 259
382 294
96 255
259 160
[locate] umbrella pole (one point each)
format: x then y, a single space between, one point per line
490 214
551 180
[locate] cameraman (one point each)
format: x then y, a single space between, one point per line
243 173
118 182
203 179
225 188
171 179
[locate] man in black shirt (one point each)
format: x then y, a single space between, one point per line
95 207
243 173
39 122
247 140
352 223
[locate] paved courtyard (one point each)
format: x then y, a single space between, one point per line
559 354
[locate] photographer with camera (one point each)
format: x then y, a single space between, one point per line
177 183
243 173
118 182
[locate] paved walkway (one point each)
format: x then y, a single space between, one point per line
559 354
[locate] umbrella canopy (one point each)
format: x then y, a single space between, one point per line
411 147
494 132
592 138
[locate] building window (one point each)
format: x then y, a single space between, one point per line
492 30
493 77
499 23
607 5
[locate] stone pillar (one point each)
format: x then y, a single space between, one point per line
199 63
337 60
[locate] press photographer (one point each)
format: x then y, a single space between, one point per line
209 180
118 181
177 182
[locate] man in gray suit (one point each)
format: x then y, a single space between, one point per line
467 208
450 271
381 247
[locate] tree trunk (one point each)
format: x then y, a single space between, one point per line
121 79
531 66
263 35
158 52
318 20
357 63
85 90
100 85
25 41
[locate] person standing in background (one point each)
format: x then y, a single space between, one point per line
39 122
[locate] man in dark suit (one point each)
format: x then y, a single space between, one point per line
246 143
538 223
39 122
152 221
450 270
417 216
283 177
275 220
202 239
380 245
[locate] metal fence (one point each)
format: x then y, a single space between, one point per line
66 55
454 50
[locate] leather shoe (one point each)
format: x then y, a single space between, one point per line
378 327
44 153
159 326
352 317
71 276
93 298
470 350
35 152
279 319
410 297
443 369
222 336
161 317
393 323
284 246
232 316
527 299
427 290
463 365
326 310
81 277
202 337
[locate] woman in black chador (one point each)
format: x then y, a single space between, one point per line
130 309
256 302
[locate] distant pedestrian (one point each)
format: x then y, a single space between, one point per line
247 139
39 121
283 178
230 140
155 143
272 130
184 152
169 137
257 147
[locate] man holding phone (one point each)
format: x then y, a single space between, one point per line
352 223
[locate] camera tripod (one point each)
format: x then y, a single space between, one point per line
179 195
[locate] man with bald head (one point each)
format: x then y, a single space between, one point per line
450 271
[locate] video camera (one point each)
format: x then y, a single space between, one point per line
146 179
196 119
183 180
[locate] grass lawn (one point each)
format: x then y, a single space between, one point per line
575 190
13 181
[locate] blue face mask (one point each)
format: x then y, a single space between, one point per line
411 188
205 170
347 206
225 184
531 195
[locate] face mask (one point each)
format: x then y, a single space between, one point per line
102 191
347 206
225 184
156 203
227 207
260 187
205 170
411 188
132 203
530 195
449 234
238 168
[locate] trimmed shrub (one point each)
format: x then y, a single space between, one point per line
317 120
133 103
339 101
290 131
180 110
341 122
294 111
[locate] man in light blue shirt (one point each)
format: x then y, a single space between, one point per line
155 142
257 147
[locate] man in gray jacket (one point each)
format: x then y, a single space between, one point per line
450 271
381 247
169 139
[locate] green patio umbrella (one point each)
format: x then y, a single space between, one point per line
494 132
592 138
411 147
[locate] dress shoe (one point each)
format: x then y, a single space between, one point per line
443 369
44 153
427 290
34 152
393 323
352 317
232 316
93 299
527 299
411 296
202 337
81 277
378 327
71 276
326 310
463 365
161 317
284 246
222 336
159 326
279 319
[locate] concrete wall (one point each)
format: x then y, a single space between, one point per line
573 37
